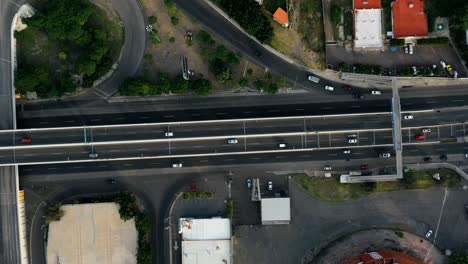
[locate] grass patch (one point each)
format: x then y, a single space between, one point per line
331 190
311 25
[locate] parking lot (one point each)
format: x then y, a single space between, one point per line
423 56
246 211
315 223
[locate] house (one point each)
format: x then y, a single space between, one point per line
281 17
409 19
368 24
367 4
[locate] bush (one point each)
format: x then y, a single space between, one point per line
152 20
143 225
174 20
459 259
204 38
230 208
433 41
172 39
368 186
249 16
209 195
54 212
127 203
335 14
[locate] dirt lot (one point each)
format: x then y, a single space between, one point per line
291 43
165 56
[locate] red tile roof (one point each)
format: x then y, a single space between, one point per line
281 16
367 4
409 18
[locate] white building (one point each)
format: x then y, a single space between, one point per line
206 241
275 211
368 29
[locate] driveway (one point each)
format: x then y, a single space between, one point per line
423 55
315 223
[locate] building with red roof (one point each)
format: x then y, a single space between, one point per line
384 257
367 4
281 17
409 19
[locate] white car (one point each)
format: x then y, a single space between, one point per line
281 145
408 116
93 155
327 168
346 151
443 64
376 92
429 233
270 185
232 141
169 134
410 46
385 155
313 79
426 130
329 88
177 165
352 141
466 155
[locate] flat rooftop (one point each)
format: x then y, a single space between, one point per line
368 28
206 252
205 229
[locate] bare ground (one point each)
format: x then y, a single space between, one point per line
166 55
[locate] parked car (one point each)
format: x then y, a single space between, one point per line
385 155
329 88
249 183
406 49
352 141
313 79
408 116
177 165
169 134
376 92
26 140
420 137
232 141
429 233
270 185
426 130
364 167
346 151
443 64
327 168
410 49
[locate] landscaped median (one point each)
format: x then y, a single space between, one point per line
331 190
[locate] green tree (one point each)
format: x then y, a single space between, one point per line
54 212
204 38
201 87
127 204
335 14
88 67
152 20
138 87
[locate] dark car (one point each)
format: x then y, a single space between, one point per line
112 181
466 208
364 167
193 187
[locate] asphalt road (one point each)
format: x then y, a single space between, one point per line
211 139
134 23
9 232
125 113
157 183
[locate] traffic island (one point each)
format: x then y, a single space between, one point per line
375 244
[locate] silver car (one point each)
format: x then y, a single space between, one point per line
232 141
352 141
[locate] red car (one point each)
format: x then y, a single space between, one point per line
193 187
364 167
420 137
26 140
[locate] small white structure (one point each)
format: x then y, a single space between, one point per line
206 241
276 211
368 29
92 233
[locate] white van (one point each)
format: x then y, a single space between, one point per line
313 79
